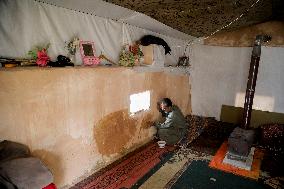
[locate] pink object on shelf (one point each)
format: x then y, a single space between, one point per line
88 53
42 58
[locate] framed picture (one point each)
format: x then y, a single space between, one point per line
88 53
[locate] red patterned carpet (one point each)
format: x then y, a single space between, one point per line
127 172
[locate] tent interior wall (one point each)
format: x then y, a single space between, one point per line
35 23
69 115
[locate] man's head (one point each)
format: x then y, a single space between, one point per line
166 104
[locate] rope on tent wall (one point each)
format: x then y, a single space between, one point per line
203 38
40 1
47 3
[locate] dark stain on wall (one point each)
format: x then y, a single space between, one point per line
114 131
147 121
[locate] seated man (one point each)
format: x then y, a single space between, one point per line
173 129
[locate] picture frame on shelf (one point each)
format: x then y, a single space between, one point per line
88 53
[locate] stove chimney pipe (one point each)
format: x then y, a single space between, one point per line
252 79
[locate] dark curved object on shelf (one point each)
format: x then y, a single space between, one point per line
62 61
150 39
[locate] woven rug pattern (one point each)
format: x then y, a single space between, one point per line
128 172
189 155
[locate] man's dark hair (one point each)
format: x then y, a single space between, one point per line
167 102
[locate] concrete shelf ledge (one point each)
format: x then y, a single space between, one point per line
139 69
170 70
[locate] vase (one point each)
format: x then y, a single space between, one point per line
72 58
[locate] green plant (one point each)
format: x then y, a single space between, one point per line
129 55
126 58
33 52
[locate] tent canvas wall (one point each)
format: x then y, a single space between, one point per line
26 24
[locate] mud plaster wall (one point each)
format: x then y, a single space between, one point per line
76 119
245 37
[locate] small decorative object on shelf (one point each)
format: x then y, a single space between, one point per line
72 47
62 61
42 58
183 61
40 55
13 62
109 62
88 53
130 55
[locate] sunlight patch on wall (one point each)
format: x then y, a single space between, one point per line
139 102
264 103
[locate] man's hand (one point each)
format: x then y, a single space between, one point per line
151 123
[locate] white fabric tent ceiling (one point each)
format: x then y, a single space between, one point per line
108 10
